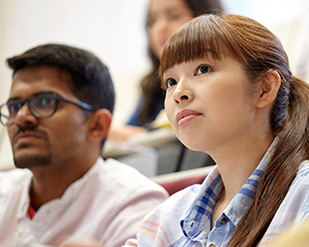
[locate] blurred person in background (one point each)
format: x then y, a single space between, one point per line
163 18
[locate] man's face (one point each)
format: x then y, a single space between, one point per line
60 139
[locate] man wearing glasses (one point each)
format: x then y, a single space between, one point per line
58 115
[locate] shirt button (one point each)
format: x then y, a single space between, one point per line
223 221
212 245
20 233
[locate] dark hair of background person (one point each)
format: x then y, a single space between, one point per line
259 51
90 78
150 84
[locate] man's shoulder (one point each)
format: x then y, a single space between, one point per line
125 175
117 168
14 175
13 179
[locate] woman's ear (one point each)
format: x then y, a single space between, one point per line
269 87
99 124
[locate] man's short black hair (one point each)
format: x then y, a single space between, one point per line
91 80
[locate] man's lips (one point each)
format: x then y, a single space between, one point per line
25 137
185 116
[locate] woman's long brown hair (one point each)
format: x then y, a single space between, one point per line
254 46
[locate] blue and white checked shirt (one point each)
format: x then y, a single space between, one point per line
185 218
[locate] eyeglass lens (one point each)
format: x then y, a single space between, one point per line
41 105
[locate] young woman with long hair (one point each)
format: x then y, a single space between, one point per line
231 94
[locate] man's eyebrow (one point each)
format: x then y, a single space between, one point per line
13 99
38 93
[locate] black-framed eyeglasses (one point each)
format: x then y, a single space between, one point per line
41 105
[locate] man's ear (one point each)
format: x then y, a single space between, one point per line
99 124
269 87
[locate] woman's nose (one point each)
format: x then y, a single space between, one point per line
161 24
183 92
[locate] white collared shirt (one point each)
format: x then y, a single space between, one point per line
106 204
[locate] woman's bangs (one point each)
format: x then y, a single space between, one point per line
197 39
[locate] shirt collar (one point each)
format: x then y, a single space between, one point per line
25 199
73 190
198 215
68 196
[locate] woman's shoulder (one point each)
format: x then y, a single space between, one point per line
300 185
177 204
303 170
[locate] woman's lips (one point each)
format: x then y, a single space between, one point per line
185 116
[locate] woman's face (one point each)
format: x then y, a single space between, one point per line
164 17
208 103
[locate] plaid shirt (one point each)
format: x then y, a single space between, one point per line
185 218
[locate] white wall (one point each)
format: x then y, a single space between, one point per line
114 30
288 19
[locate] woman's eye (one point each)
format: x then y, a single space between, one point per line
174 17
170 82
150 22
202 69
